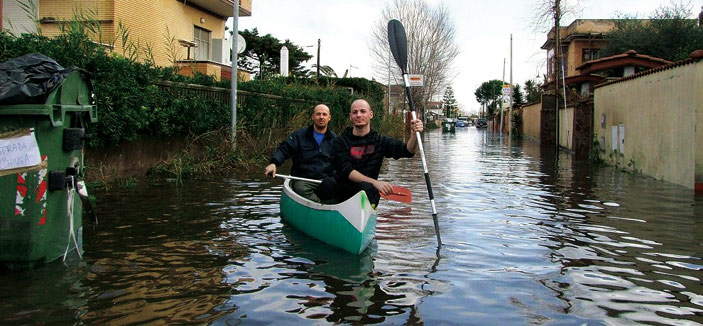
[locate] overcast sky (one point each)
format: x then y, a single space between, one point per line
483 31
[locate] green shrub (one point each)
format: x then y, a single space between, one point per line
130 105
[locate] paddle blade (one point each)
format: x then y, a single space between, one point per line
398 43
399 194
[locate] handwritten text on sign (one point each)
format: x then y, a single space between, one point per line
19 152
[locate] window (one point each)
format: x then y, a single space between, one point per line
201 37
590 54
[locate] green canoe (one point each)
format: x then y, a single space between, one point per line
349 225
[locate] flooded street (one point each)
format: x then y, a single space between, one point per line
529 238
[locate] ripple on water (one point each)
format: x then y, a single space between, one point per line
529 238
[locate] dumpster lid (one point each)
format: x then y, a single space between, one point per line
29 79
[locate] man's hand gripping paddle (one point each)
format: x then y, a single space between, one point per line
399 47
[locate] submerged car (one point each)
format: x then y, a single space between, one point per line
481 123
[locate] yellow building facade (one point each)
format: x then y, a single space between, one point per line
186 33
581 41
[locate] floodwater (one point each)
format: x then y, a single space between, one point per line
529 238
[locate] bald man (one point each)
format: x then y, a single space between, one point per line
357 155
310 150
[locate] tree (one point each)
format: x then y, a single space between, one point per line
450 106
518 97
534 92
431 46
546 13
489 94
670 34
264 53
547 17
326 71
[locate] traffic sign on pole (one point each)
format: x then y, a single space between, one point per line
507 90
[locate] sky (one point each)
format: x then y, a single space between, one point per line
483 30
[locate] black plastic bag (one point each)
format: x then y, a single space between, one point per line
29 79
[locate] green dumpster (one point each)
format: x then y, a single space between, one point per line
41 167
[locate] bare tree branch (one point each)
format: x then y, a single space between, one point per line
431 45
544 13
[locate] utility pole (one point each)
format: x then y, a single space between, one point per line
233 96
389 82
557 65
502 82
318 59
510 110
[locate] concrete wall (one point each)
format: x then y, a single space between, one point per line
130 159
531 120
659 113
698 85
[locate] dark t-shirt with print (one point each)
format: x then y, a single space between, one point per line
364 154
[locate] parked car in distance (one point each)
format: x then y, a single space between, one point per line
462 121
481 123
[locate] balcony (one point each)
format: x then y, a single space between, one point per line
223 8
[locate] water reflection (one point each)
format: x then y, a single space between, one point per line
161 263
613 256
530 237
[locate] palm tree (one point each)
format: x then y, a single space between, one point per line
326 71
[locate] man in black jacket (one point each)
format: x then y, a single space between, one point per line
357 155
310 149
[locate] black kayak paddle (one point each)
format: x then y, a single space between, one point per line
399 47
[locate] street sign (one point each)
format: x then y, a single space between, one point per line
415 80
507 90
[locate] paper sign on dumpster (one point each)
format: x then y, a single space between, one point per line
19 150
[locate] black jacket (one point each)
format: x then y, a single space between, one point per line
310 160
364 154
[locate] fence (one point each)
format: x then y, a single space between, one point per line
219 94
260 113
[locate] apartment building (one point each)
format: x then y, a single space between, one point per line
581 41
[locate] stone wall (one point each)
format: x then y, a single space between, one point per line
548 127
